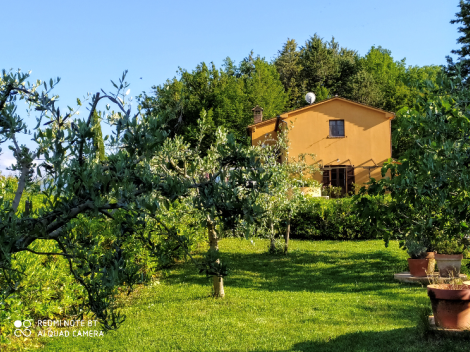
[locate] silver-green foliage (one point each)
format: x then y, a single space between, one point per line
289 174
131 191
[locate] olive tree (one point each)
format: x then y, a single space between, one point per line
289 175
146 171
224 185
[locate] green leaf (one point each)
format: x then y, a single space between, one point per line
166 204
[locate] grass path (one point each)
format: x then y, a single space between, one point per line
323 296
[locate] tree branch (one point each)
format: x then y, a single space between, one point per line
42 253
178 169
22 180
102 211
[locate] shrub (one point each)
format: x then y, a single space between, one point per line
56 294
331 219
7 184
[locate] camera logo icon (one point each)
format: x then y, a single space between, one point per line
26 324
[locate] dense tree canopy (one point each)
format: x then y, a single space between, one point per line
327 69
227 95
429 184
288 65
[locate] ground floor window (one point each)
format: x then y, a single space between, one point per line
339 176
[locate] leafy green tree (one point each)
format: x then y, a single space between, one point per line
363 87
326 65
230 178
227 95
416 79
463 18
263 88
288 65
124 190
389 89
281 203
327 69
319 66
429 182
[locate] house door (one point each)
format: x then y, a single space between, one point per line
339 176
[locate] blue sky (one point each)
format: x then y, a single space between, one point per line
87 43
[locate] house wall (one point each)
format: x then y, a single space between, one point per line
264 133
367 136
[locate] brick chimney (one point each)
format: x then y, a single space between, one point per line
257 114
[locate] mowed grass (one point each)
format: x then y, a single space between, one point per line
322 296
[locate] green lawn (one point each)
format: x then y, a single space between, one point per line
323 296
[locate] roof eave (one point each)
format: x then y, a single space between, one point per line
388 114
265 122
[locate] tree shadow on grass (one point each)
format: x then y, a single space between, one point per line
364 280
327 271
349 283
332 271
406 339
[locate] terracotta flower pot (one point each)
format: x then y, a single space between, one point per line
449 264
418 267
421 267
451 308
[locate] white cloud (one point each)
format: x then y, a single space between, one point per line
6 159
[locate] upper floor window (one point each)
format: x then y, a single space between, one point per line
336 128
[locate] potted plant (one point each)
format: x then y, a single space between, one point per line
421 261
449 257
308 186
450 305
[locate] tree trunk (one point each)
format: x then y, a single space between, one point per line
28 207
218 282
272 247
213 239
20 189
286 246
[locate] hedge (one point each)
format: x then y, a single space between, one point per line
330 219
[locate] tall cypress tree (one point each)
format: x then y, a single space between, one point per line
98 136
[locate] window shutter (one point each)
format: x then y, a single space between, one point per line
326 176
350 178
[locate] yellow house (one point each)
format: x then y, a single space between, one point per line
351 140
